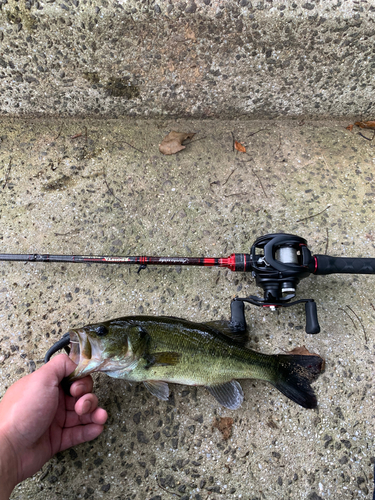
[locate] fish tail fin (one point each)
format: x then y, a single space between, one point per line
294 376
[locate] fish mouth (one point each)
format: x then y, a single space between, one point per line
86 353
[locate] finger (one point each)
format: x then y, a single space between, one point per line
81 387
76 409
86 404
79 434
98 416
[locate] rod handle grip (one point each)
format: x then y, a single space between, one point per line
348 265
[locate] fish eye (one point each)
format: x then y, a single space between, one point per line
101 330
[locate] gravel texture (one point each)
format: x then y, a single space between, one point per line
102 187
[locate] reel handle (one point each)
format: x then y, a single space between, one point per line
312 324
324 264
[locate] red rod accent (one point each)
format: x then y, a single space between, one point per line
208 261
316 264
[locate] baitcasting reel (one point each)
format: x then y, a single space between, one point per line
278 263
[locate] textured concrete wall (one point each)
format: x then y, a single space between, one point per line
195 58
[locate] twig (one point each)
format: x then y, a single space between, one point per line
327 242
131 146
110 190
229 176
372 305
58 135
8 173
359 319
367 139
80 134
257 176
246 161
195 140
278 147
346 312
315 215
74 231
260 130
165 489
234 194
233 141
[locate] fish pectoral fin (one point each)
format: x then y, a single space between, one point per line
157 388
229 394
162 359
166 358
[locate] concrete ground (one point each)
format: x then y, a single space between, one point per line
102 187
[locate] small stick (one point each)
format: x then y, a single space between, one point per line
229 176
109 188
257 176
74 231
233 141
76 135
367 139
131 146
234 194
359 319
260 130
327 241
278 147
58 135
8 173
195 140
346 312
315 215
165 489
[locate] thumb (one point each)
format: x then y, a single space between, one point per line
58 368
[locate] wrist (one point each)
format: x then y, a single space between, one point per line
8 467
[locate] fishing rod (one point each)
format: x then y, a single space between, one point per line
277 261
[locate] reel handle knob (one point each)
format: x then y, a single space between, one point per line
312 324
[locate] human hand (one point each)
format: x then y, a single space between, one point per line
37 420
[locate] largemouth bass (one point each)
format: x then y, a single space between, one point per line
158 350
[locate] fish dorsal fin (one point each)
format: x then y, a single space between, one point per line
229 394
157 388
240 336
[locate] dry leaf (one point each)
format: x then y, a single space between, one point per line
369 124
224 424
349 127
302 351
239 147
172 143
